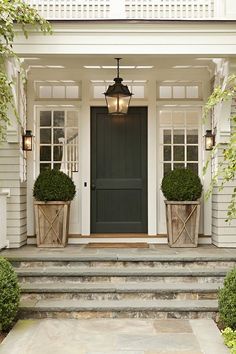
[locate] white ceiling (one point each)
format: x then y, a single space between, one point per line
158 62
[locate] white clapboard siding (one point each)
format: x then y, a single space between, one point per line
223 233
12 165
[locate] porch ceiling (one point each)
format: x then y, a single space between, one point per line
139 62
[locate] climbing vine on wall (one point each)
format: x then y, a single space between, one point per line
13 14
226 169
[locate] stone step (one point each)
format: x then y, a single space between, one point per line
57 308
119 291
88 274
122 262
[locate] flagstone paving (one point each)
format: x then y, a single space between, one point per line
114 336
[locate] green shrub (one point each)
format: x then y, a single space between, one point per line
181 185
227 300
230 339
9 294
53 185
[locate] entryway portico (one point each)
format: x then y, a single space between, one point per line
170 71
173 95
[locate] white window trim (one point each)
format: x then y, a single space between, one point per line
37 133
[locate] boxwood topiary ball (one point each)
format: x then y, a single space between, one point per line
53 185
9 294
181 185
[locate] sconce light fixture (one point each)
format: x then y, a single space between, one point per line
27 141
118 95
209 140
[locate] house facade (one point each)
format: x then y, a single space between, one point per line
173 54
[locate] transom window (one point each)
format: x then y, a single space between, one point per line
179 90
58 140
57 90
137 87
179 140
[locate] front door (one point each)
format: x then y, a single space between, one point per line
119 171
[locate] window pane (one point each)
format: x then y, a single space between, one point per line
72 134
45 119
193 167
58 91
165 117
167 136
192 153
59 118
45 166
138 91
57 153
178 92
72 119
72 92
178 117
178 136
192 118
45 91
45 153
192 91
165 92
57 166
179 165
167 153
45 136
57 135
166 168
98 91
192 136
178 153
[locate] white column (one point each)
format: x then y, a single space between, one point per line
152 158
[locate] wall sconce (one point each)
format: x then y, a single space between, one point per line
27 141
209 140
118 95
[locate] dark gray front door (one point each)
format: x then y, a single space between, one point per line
119 171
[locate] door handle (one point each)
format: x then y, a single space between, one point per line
93 187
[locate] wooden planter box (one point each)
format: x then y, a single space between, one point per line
182 220
52 223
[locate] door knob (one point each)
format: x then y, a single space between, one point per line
93 187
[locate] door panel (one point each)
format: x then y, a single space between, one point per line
119 171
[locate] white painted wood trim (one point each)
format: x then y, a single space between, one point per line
3 219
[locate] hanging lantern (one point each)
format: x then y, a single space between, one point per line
118 96
27 141
209 140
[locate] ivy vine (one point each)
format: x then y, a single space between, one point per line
226 169
12 13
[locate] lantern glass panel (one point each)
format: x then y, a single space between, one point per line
118 104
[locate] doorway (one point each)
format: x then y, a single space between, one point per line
119 171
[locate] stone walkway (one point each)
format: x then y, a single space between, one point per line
114 336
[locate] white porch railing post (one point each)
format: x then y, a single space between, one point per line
117 9
3 220
219 9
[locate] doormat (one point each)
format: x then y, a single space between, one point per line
117 245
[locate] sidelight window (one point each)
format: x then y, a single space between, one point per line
58 140
179 140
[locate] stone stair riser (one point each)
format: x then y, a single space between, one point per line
125 264
119 314
116 279
121 296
